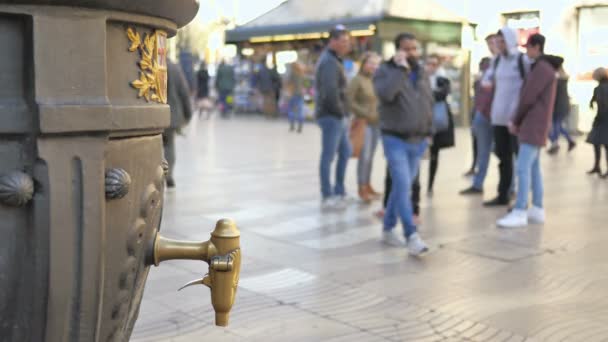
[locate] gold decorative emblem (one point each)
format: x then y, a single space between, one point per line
152 82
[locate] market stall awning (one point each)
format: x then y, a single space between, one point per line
295 31
309 19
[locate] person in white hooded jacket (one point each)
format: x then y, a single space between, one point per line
506 76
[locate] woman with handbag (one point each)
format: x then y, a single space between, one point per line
365 131
443 119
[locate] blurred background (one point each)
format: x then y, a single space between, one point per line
249 35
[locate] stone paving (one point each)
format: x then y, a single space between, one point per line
309 275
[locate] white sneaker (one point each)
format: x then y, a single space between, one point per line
536 215
416 246
330 203
348 199
516 218
392 239
342 202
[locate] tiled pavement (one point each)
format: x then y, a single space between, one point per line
312 276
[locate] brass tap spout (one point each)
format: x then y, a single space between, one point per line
167 249
223 254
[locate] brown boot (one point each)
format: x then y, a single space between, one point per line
364 194
373 192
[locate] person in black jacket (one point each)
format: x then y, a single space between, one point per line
405 107
181 112
598 136
266 82
332 115
444 139
560 114
202 89
225 83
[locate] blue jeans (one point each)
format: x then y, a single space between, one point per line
557 130
403 162
334 140
366 159
296 109
482 128
528 169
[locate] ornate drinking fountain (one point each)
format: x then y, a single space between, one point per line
82 107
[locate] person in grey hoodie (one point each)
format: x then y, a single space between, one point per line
506 77
405 106
332 116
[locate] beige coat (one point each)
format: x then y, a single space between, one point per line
362 99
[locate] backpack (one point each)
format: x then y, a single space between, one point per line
520 65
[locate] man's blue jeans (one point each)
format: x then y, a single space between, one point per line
557 130
334 140
482 128
403 162
529 175
296 109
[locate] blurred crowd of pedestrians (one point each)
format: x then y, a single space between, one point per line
521 102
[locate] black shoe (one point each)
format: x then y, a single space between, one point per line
604 176
594 171
300 128
571 146
553 150
470 173
497 202
170 183
472 191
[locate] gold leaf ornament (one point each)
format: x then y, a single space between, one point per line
148 85
149 43
143 85
145 64
134 38
151 78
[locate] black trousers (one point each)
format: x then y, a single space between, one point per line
416 194
597 152
474 141
505 148
433 165
388 184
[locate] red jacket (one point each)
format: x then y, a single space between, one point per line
534 114
483 100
